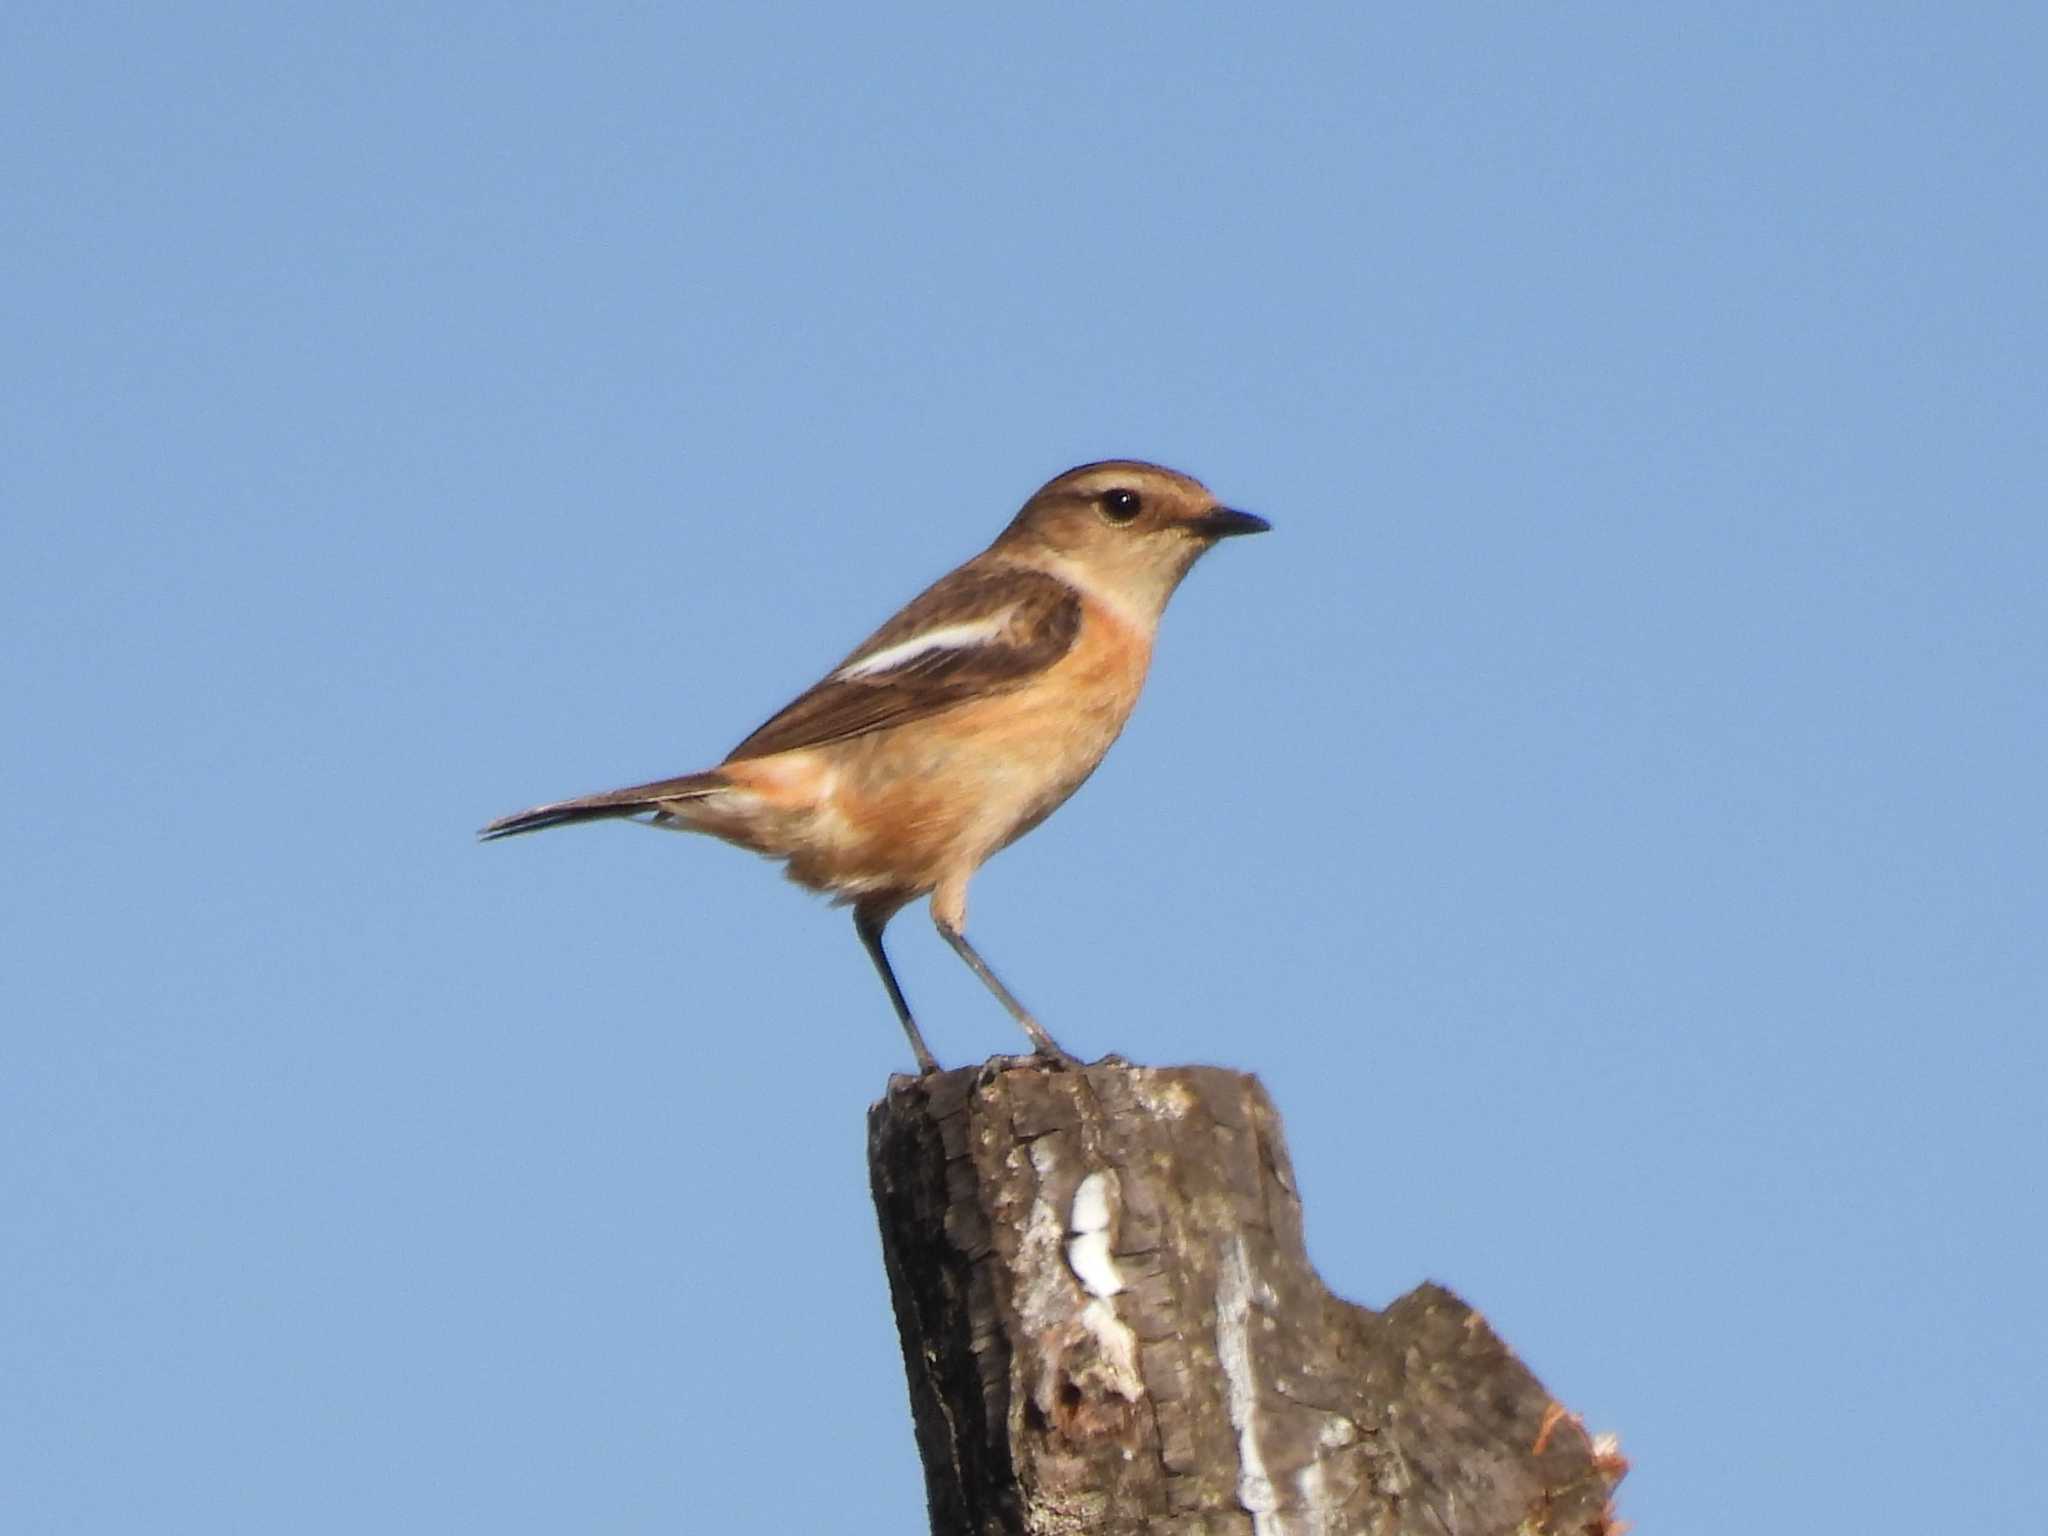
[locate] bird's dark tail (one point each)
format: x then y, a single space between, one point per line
637 800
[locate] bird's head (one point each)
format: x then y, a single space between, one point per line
1124 529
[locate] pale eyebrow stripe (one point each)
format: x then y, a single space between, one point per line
946 637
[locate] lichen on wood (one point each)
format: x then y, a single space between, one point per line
1110 1325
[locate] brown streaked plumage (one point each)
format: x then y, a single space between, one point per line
1040 615
960 724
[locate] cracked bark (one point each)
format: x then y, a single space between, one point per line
1110 1325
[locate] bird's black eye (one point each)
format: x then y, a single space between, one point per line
1121 506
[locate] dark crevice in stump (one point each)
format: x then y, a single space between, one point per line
1110 1325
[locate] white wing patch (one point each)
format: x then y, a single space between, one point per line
946 637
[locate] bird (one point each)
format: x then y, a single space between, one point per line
960 724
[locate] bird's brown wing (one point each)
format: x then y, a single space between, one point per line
1030 620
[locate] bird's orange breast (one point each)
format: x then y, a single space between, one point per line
901 809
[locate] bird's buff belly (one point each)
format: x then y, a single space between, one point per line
899 811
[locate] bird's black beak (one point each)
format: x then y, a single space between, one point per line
1224 523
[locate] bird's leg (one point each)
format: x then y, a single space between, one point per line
869 926
1044 1043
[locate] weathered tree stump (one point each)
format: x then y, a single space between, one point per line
1110 1326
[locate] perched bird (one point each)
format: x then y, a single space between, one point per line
960 724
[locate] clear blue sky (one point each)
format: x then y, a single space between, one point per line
1607 811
